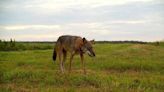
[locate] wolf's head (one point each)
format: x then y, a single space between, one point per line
87 47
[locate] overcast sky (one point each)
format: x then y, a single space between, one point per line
45 20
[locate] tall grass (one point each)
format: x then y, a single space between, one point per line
13 45
116 68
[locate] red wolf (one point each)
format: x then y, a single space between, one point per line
74 45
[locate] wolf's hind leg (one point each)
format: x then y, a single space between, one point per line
61 62
64 58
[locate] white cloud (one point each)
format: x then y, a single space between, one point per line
129 22
30 37
22 27
99 19
55 6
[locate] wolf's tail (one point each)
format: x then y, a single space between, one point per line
54 54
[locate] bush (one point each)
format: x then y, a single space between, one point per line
14 46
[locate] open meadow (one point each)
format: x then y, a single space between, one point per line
117 67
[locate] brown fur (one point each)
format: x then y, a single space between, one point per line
73 45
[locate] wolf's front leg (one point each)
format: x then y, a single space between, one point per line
72 55
82 61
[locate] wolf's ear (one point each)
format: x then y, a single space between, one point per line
84 40
92 41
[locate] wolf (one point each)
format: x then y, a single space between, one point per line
74 45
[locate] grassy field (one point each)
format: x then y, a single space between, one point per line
116 68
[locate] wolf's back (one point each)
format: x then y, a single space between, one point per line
67 41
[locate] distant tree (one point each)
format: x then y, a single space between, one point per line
11 40
157 43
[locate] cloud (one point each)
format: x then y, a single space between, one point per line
99 19
62 12
58 4
30 37
95 30
47 7
22 27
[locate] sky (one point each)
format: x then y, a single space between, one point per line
111 20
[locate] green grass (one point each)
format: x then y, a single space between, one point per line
116 68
